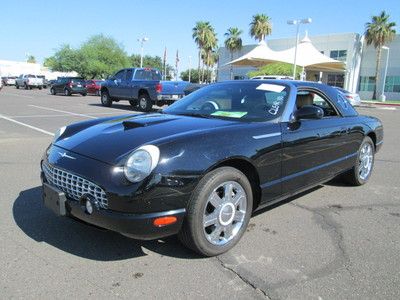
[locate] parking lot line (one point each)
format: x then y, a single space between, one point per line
62 111
26 125
17 95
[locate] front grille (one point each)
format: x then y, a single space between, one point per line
73 185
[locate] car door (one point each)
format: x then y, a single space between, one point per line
312 148
116 88
126 84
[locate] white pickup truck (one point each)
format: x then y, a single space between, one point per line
29 81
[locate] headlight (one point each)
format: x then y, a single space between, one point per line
141 162
59 133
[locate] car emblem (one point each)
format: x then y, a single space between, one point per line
63 154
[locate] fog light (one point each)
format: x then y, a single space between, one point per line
89 207
164 221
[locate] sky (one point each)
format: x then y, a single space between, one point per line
40 27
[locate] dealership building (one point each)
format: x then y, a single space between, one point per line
360 60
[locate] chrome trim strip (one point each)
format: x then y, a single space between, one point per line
264 136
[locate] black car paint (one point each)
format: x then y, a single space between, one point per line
282 157
67 83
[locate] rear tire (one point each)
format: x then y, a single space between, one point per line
26 86
364 164
218 212
67 92
84 94
145 103
17 86
105 99
52 91
40 87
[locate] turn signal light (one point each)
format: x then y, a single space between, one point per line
164 221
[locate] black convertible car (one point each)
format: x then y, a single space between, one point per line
202 166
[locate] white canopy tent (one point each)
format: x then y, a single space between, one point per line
257 57
308 57
311 58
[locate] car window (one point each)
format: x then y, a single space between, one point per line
250 101
128 76
120 75
313 98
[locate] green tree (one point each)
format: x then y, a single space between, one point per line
283 69
102 56
260 27
150 62
378 32
98 57
31 59
194 75
205 38
233 42
65 59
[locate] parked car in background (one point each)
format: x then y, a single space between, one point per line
1 84
191 87
202 166
29 81
8 80
45 81
266 77
69 86
93 86
353 98
141 87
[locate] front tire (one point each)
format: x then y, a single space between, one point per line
218 212
52 91
17 86
145 103
84 94
67 92
362 169
106 99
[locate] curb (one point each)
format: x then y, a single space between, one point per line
380 103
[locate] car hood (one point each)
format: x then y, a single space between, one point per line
111 140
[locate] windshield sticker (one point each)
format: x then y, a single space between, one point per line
270 87
229 114
274 108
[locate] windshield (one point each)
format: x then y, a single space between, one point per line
243 101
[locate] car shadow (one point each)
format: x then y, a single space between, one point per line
84 240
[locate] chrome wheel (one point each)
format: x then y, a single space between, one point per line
224 213
365 161
143 103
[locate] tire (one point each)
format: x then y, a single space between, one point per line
17 86
67 92
98 93
84 94
106 99
40 88
52 91
133 103
26 86
145 103
204 239
364 164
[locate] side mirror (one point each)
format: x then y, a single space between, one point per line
307 112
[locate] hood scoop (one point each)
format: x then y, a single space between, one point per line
144 122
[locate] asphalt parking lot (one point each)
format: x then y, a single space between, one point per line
334 242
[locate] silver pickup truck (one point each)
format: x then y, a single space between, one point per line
29 81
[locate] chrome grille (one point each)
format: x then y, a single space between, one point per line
73 185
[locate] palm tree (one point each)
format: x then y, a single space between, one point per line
233 43
379 32
201 34
260 27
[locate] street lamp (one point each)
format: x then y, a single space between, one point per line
297 23
142 40
383 97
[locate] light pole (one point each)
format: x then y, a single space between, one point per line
142 40
383 97
190 66
297 23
